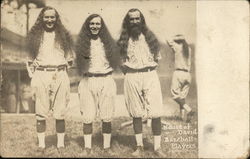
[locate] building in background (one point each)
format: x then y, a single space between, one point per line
14 77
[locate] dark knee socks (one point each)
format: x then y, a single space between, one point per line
156 126
87 128
60 126
106 127
181 102
40 126
137 124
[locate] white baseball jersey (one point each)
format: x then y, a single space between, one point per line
98 60
139 55
49 52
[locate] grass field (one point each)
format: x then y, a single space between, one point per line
18 139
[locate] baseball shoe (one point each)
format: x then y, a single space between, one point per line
61 149
138 152
108 152
87 152
160 153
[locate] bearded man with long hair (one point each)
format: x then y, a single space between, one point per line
50 48
97 89
140 54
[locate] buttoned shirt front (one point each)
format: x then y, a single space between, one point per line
98 61
139 55
49 52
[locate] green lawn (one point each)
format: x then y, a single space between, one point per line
18 138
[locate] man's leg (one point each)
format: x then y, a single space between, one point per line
155 110
135 106
106 131
187 107
40 128
183 105
88 110
106 109
137 125
180 101
179 89
41 106
156 129
177 92
59 100
87 131
60 130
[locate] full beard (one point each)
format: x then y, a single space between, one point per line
135 30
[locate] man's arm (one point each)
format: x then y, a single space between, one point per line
30 66
176 43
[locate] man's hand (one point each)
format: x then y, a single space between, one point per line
35 63
30 67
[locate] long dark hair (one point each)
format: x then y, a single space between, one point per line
185 49
185 46
62 36
150 38
84 37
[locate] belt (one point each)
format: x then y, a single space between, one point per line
51 68
147 69
97 74
178 69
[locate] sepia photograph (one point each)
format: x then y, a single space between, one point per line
106 79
